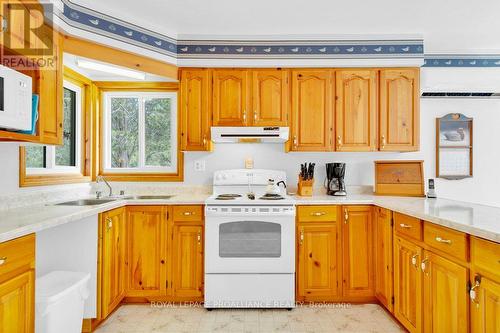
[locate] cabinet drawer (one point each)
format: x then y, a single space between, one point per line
17 253
485 255
408 226
450 241
317 213
188 213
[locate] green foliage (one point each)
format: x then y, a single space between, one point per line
35 156
64 152
124 132
158 132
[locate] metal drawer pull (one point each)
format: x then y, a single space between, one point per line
423 265
473 293
3 260
188 213
318 213
301 236
346 216
414 260
441 240
405 226
109 222
199 238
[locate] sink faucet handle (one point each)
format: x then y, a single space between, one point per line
98 194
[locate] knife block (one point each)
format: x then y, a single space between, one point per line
305 187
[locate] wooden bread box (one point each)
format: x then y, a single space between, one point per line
399 178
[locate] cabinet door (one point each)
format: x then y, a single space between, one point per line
445 295
358 273
17 303
318 261
187 259
356 110
113 247
50 123
231 97
196 89
146 250
312 113
399 109
408 284
383 257
270 97
485 308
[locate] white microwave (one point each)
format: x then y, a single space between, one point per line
15 100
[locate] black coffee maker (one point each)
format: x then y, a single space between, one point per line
335 173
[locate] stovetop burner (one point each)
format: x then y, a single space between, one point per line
269 196
227 196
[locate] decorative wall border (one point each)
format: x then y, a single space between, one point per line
462 60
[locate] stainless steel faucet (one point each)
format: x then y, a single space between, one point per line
102 179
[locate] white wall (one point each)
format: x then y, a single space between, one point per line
484 187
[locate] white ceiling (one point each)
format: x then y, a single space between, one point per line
447 26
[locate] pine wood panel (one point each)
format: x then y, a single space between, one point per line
113 269
383 257
356 110
357 242
399 109
318 270
187 259
17 303
485 310
445 303
454 243
408 284
408 226
269 97
231 97
485 256
317 213
196 117
188 213
146 251
312 113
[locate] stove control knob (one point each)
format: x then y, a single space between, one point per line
224 176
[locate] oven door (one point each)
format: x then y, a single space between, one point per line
254 243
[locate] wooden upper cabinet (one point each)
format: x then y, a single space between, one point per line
269 97
146 259
113 249
357 236
196 90
399 109
312 116
408 284
446 301
356 110
231 97
383 257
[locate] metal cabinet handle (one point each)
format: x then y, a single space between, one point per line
405 226
339 140
414 260
3 260
255 115
295 141
473 292
383 141
199 237
204 139
189 213
318 213
301 236
245 116
442 240
346 216
423 264
109 222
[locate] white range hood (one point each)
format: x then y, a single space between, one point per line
250 134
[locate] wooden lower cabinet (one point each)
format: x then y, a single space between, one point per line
112 236
187 260
17 285
445 301
318 260
383 257
485 307
147 251
357 242
408 284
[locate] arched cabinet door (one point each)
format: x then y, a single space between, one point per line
269 97
231 102
399 110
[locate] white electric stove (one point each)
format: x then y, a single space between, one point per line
249 242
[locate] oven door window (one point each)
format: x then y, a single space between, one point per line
250 239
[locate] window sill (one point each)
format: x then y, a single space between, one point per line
52 179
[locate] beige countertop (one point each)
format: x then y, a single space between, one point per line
478 220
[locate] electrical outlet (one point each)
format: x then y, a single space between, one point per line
199 165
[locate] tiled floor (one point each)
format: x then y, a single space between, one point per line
328 318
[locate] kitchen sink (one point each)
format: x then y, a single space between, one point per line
145 197
85 202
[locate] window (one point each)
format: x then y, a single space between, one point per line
139 132
65 158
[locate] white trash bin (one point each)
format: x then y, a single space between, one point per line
59 298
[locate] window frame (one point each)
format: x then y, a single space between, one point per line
106 147
63 174
133 87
